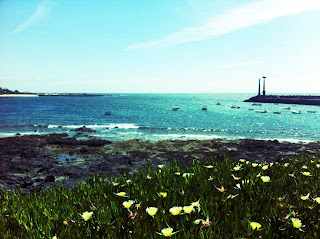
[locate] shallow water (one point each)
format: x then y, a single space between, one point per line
148 117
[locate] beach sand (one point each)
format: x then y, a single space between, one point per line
33 163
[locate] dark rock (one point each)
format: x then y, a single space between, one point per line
26 184
49 178
35 189
84 150
84 129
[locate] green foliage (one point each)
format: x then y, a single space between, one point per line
230 199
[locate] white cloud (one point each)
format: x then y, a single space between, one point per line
41 11
240 64
251 14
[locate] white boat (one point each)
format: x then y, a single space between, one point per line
296 111
235 107
174 108
261 111
277 112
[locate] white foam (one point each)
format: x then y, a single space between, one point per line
120 126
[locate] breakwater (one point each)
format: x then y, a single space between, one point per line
286 99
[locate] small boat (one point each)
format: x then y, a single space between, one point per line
173 108
256 104
250 109
296 111
261 111
108 112
311 111
277 112
235 107
286 108
204 108
218 103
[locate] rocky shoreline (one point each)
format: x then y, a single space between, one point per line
34 162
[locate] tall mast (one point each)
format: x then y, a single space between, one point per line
264 85
259 88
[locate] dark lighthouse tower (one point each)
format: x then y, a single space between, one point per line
264 86
259 88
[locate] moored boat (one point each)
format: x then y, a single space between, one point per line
261 111
174 108
296 111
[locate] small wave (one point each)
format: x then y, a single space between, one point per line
120 126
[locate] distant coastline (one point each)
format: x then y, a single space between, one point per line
19 95
9 93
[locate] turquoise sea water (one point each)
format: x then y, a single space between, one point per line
148 117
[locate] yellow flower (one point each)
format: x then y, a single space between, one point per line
305 197
235 178
286 165
265 179
209 166
306 173
255 225
87 215
317 199
151 211
237 168
160 166
232 196
177 173
291 175
198 221
318 165
195 204
175 210
188 209
54 237
305 167
187 175
128 204
254 165
121 194
222 189
148 177
163 194
167 232
242 160
238 185
265 167
128 181
296 222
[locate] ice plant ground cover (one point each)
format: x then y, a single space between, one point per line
132 207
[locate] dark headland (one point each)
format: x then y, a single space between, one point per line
284 99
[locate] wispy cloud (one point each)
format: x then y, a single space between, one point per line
240 64
251 14
41 11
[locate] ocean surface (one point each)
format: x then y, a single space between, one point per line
149 117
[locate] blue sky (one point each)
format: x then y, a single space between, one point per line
186 46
